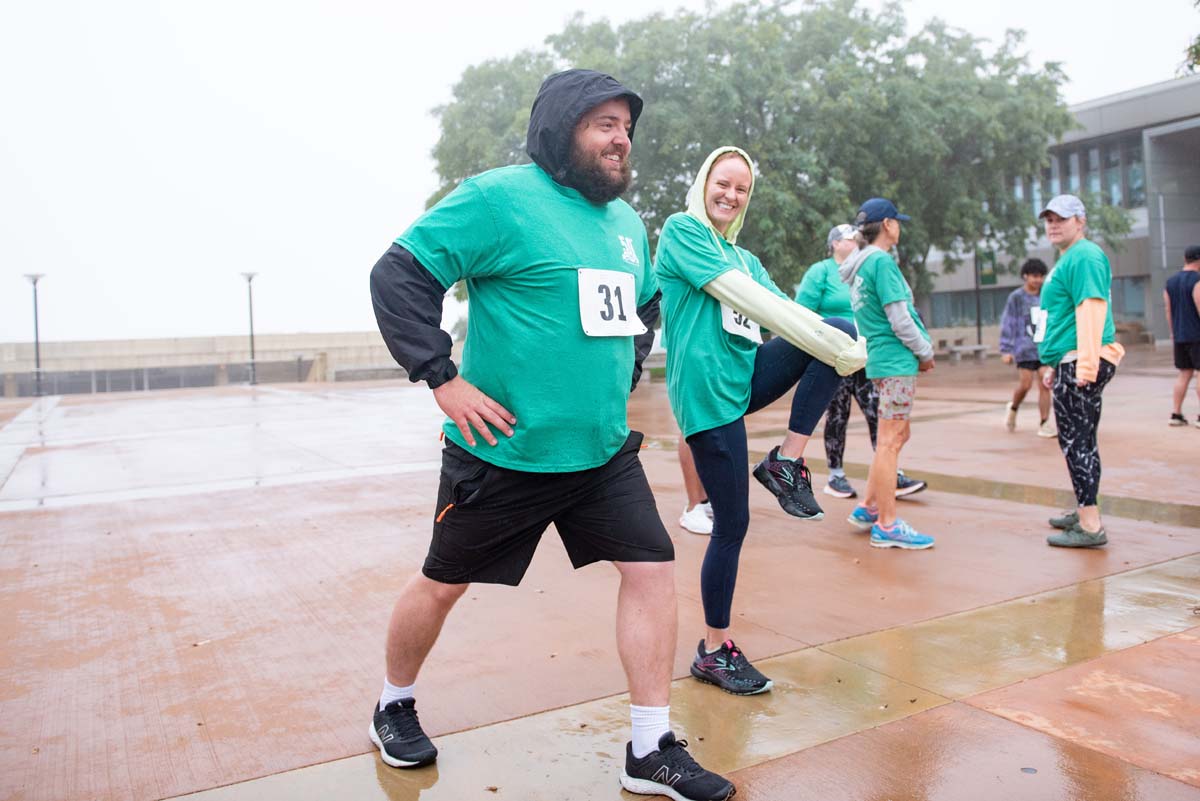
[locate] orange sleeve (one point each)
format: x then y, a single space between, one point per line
1089 329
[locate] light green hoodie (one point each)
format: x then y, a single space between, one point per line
695 195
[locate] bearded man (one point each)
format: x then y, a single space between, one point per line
563 304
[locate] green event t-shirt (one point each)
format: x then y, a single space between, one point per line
519 239
877 283
1082 272
822 291
708 368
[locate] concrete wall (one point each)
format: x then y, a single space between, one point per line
1173 177
1157 104
341 351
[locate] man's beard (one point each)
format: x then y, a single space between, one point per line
594 180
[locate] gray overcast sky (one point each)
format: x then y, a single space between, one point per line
151 151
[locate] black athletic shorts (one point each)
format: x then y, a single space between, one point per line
489 519
1187 355
1032 364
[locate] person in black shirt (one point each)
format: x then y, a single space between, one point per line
1182 299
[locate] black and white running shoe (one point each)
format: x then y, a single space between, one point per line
672 772
728 668
397 734
791 483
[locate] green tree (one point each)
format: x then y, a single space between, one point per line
1106 224
1191 60
833 101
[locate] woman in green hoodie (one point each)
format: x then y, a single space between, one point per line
716 296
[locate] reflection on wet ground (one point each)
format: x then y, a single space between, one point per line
826 693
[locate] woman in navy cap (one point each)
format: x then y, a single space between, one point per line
822 291
899 348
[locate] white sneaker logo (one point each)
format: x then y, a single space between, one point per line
628 254
664 776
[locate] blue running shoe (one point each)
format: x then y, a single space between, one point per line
862 518
900 535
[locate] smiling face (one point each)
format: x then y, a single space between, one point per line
599 164
1062 231
727 190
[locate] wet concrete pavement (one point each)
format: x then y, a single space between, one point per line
195 585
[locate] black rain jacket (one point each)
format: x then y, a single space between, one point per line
408 298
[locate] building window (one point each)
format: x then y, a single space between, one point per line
1112 175
953 309
1135 174
1019 190
1035 195
1129 299
1073 173
1093 170
1054 176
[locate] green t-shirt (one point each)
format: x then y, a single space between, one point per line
877 283
822 291
1081 272
708 368
519 240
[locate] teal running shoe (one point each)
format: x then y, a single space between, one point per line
900 535
862 518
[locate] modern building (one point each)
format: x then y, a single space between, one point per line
1139 150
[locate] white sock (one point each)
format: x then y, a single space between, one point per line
649 724
837 471
393 693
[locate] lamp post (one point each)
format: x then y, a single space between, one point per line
37 343
250 294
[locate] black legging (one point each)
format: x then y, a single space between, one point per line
862 389
1077 412
722 459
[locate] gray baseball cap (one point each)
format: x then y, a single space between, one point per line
840 232
1065 206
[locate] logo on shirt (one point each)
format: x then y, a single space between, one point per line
628 254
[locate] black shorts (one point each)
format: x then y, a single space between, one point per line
1187 355
1033 365
489 519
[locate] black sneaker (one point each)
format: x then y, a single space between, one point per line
672 772
1177 420
791 483
906 485
397 733
728 668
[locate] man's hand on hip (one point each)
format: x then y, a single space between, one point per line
467 406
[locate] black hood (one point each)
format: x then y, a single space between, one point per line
562 100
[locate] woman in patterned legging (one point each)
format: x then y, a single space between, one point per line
1078 340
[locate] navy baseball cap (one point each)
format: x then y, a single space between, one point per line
878 209
1192 254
